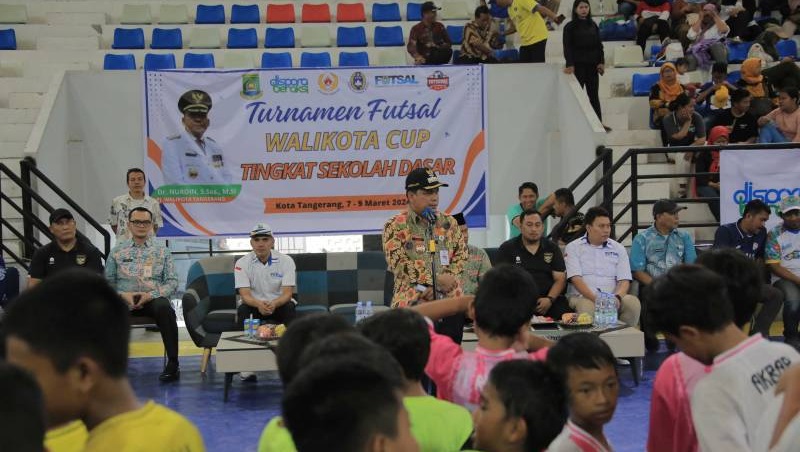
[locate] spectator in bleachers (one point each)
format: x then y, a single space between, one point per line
767 40
739 18
783 247
136 197
741 124
657 249
527 18
428 41
67 250
715 96
528 197
682 11
782 125
682 67
478 262
662 94
707 36
627 8
763 98
479 39
570 226
583 52
785 74
652 17
707 186
683 126
143 273
596 262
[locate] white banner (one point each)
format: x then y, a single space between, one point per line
768 175
312 151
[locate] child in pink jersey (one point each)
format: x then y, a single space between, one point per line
587 366
671 425
502 309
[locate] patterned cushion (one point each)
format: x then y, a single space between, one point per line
333 278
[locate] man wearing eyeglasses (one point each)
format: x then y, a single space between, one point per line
143 273
65 251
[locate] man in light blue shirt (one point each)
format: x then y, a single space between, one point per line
657 249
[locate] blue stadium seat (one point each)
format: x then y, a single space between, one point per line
166 38
734 76
276 60
389 36
8 39
737 51
787 48
128 38
643 82
386 12
210 14
279 38
507 54
242 38
156 62
125 62
351 37
318 59
198 60
655 49
245 14
456 33
413 12
353 59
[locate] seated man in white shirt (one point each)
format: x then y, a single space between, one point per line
265 279
691 306
597 263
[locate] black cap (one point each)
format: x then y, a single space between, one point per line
194 101
428 6
60 214
460 220
423 178
666 206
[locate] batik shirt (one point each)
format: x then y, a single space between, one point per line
405 244
142 268
121 207
477 265
654 253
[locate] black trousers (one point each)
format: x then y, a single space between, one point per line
161 310
283 314
590 80
559 307
438 56
646 29
772 300
533 53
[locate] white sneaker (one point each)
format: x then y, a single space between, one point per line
248 376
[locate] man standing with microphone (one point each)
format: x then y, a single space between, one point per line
425 250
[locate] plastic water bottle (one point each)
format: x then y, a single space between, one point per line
501 36
612 311
368 310
359 311
600 308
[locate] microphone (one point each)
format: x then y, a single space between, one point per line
429 214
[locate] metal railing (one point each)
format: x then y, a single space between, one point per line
632 156
30 176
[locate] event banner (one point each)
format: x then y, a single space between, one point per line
768 175
310 151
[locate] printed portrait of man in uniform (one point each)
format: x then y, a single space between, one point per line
190 156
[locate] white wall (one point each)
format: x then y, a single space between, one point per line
537 131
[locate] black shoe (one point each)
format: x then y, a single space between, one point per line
651 343
152 329
172 372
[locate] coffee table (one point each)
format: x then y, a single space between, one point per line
624 343
236 354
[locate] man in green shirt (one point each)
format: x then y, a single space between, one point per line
528 195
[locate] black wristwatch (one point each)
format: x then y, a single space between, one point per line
552 299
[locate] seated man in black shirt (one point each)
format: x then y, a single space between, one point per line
570 225
65 251
542 259
740 122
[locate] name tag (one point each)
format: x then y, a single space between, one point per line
147 271
444 257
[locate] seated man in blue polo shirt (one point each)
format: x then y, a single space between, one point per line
595 262
657 249
265 279
749 236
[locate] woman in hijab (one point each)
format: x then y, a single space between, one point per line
764 97
662 94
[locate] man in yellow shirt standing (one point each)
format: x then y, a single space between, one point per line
526 18
71 332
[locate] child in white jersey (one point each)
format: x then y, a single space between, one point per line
691 306
586 365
